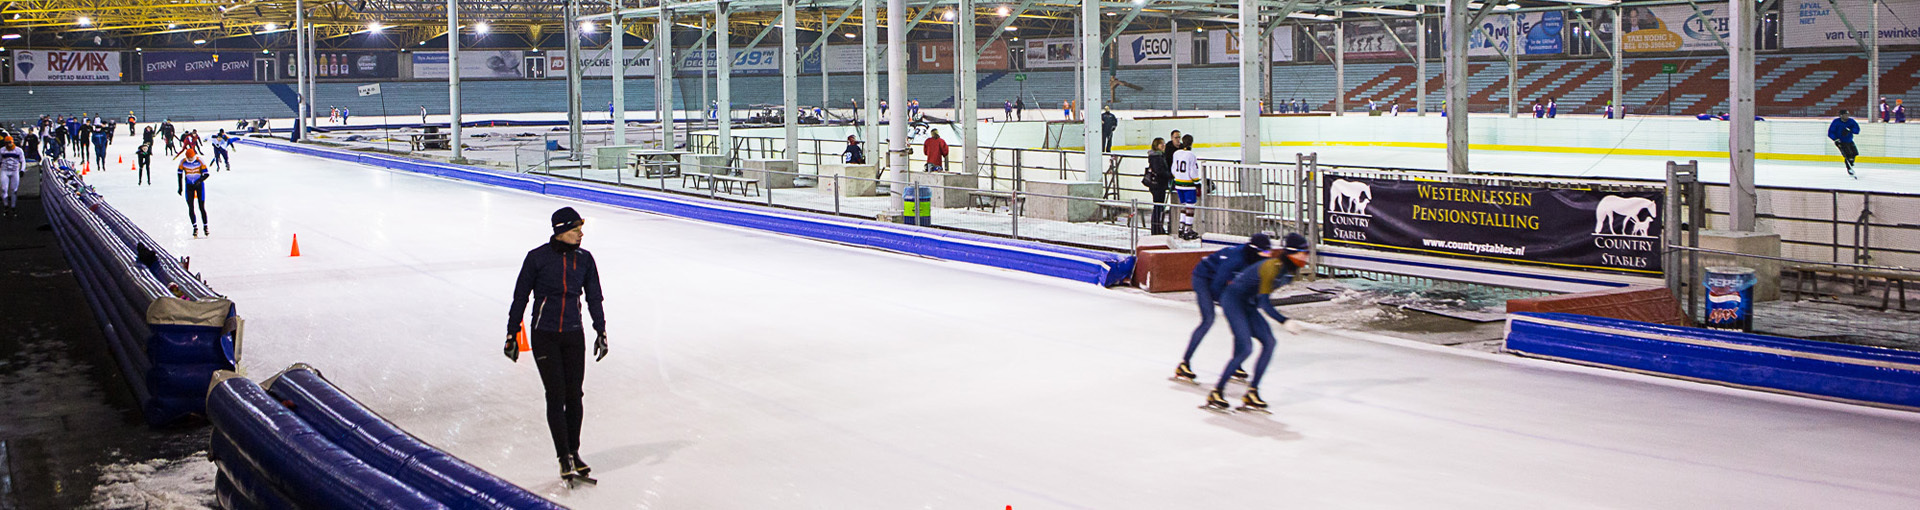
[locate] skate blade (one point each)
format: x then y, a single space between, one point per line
572 481
1218 410
1179 379
1247 409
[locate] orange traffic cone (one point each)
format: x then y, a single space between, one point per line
134 167
296 246
119 159
85 168
522 337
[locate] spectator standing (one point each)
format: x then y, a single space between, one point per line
1108 123
853 155
1159 177
1886 112
1899 111
936 149
1019 108
1553 108
13 162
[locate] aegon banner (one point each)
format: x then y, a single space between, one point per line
1814 23
66 66
1223 46
1568 228
163 66
1156 48
938 56
1055 52
473 64
1674 28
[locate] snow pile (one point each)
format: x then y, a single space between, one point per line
156 484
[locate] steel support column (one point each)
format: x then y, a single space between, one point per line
790 77
1513 66
663 78
1092 85
453 79
300 42
1456 72
1618 53
1250 56
896 155
1741 194
574 107
723 77
619 33
870 76
1420 61
1339 64
968 104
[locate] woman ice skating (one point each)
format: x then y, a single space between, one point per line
191 182
143 161
1241 303
556 275
1210 278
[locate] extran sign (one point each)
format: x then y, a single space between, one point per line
66 66
164 66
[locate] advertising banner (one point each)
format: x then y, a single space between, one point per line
473 64
1054 52
1674 28
1815 23
754 61
349 65
1541 32
166 66
843 59
938 56
66 66
1156 48
1567 228
1369 40
599 64
1223 46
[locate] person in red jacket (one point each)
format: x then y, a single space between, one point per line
936 153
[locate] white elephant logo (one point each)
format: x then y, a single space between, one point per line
1349 197
1619 215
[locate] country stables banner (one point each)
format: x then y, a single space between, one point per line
1609 231
1223 46
1675 28
1815 23
66 66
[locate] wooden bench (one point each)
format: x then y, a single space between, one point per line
1111 212
693 180
655 163
731 184
989 200
424 141
1805 282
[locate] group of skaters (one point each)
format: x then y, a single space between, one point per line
50 137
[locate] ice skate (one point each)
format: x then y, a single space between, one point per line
1183 374
1240 375
1187 233
580 467
1295 326
571 475
1218 403
196 232
1251 402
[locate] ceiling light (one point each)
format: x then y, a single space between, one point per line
1386 12
374 27
271 27
1302 15
586 27
948 16
1111 13
1010 29
9 37
86 21
480 28
199 41
1002 11
850 35
171 25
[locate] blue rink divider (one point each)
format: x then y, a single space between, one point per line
1090 266
167 347
1857 374
303 443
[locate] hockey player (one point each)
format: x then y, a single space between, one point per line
13 162
1186 185
1210 277
1242 301
191 182
1841 131
556 275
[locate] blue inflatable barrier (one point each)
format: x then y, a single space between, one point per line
380 444
1851 373
273 451
167 347
1091 266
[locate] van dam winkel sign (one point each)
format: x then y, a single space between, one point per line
1611 231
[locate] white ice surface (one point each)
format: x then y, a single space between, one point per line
755 371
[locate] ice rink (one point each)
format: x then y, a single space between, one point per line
754 371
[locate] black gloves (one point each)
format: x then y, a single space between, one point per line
600 347
513 348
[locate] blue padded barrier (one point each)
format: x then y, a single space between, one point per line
380 444
1091 266
167 348
1860 374
272 449
242 480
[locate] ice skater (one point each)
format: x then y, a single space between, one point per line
556 275
1210 278
190 181
222 144
1186 185
1841 131
1241 302
143 162
13 162
167 133
102 134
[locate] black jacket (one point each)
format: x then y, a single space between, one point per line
1108 121
1159 173
556 274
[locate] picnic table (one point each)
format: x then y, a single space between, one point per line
656 163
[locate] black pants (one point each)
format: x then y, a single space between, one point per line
1106 140
1847 150
562 359
1159 211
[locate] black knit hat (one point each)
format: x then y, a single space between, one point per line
566 219
1260 241
1296 242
